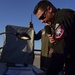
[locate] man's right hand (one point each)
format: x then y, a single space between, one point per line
51 38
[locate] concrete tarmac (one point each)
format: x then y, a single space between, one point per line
37 60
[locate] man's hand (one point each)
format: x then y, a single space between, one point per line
30 25
51 50
51 38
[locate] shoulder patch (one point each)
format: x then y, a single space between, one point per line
59 32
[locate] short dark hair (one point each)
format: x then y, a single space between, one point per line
42 5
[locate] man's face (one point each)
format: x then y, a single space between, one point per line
45 16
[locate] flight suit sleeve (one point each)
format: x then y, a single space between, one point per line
63 30
38 35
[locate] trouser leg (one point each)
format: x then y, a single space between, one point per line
56 64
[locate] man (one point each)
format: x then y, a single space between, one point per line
62 24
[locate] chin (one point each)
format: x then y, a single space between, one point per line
49 23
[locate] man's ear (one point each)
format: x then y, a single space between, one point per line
49 9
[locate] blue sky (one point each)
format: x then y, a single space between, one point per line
18 12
